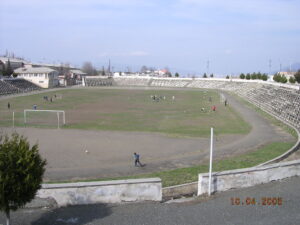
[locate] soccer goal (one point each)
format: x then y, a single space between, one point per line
44 117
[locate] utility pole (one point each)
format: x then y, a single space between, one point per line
270 66
280 66
207 67
108 69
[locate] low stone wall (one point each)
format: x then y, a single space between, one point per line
133 190
180 190
222 181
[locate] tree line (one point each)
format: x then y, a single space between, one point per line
206 76
254 76
282 79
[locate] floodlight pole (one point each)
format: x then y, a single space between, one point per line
210 160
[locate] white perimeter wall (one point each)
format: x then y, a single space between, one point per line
222 181
133 190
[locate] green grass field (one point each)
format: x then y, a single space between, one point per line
130 110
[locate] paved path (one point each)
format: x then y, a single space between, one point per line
110 153
214 211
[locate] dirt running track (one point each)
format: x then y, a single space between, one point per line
110 153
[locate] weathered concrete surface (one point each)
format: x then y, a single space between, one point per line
292 150
217 209
41 203
179 190
222 181
133 190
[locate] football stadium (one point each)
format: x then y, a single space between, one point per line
90 132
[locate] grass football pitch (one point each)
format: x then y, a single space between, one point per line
188 114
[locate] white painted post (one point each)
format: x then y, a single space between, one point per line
57 120
210 159
13 119
24 116
64 118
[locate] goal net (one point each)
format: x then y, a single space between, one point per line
49 118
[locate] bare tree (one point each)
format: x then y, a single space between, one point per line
144 69
88 68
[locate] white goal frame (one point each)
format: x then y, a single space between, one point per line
40 110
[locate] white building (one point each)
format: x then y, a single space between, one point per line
41 76
77 74
73 77
14 63
288 75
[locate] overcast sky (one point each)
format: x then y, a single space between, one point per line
234 35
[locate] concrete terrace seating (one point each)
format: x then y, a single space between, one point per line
169 83
206 84
23 85
280 101
6 88
132 81
96 81
283 102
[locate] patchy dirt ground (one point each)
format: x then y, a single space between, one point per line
78 154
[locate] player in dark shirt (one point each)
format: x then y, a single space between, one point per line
137 159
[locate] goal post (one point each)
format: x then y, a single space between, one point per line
57 112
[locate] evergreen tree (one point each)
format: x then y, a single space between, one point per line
297 76
264 77
8 70
21 173
169 74
204 75
259 76
242 76
283 79
253 76
176 74
292 80
277 77
248 76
